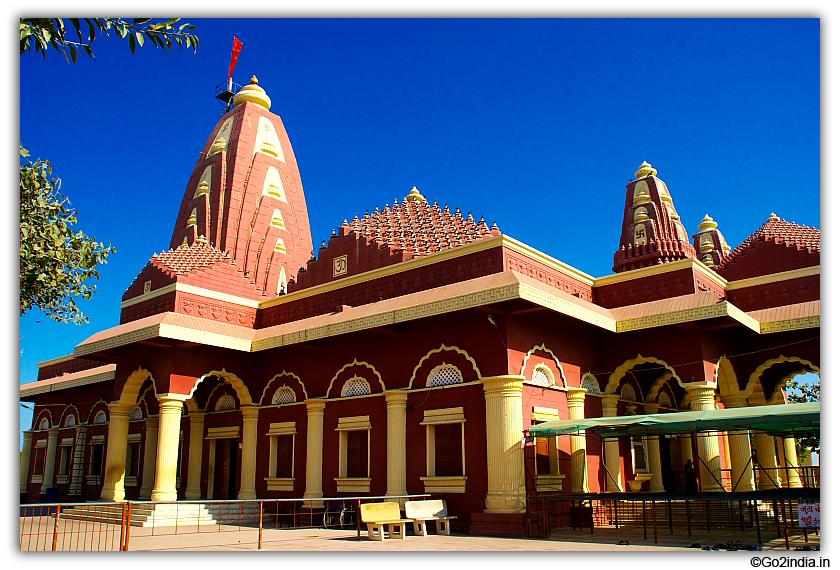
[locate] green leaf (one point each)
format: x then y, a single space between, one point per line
141 21
140 38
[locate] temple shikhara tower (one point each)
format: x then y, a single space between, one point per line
414 349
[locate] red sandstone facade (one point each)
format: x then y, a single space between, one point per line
413 304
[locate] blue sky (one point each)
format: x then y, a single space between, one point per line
537 125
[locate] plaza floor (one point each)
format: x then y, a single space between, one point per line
326 540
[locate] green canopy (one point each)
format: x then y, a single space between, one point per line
791 420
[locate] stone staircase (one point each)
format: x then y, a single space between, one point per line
721 515
167 514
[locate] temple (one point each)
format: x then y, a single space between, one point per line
412 350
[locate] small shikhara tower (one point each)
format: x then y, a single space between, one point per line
245 195
652 232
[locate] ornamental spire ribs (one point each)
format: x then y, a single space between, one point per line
246 192
652 232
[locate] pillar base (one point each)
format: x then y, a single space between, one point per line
499 525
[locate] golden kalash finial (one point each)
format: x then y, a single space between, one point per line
645 170
773 218
707 223
252 93
415 196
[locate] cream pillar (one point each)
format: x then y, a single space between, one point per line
49 465
314 453
708 451
247 483
765 454
166 464
609 409
193 491
113 489
791 463
77 471
575 398
149 458
395 402
505 456
654 461
740 453
25 458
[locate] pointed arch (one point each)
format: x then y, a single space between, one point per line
554 356
277 377
619 373
727 381
442 348
229 377
351 364
131 389
755 377
96 407
657 386
45 413
69 409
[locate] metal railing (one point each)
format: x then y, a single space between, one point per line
100 526
656 516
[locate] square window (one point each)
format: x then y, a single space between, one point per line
640 463
132 459
448 450
64 462
357 453
284 467
97 454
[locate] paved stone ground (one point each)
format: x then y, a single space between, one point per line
231 538
323 540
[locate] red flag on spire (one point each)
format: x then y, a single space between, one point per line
234 56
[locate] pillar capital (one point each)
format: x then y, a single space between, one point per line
396 398
119 409
576 396
508 385
630 409
651 407
315 406
195 417
169 402
249 413
609 405
734 401
701 396
53 432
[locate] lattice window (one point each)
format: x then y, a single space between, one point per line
100 418
590 384
136 414
44 424
664 400
542 375
225 403
627 393
283 395
355 387
70 421
444 375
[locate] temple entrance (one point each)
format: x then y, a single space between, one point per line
225 474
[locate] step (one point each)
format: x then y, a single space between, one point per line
167 514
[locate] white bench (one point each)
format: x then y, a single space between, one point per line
378 516
431 510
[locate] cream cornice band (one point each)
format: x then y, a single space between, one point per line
773 278
193 290
493 288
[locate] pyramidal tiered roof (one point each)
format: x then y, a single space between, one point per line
779 231
188 259
419 228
